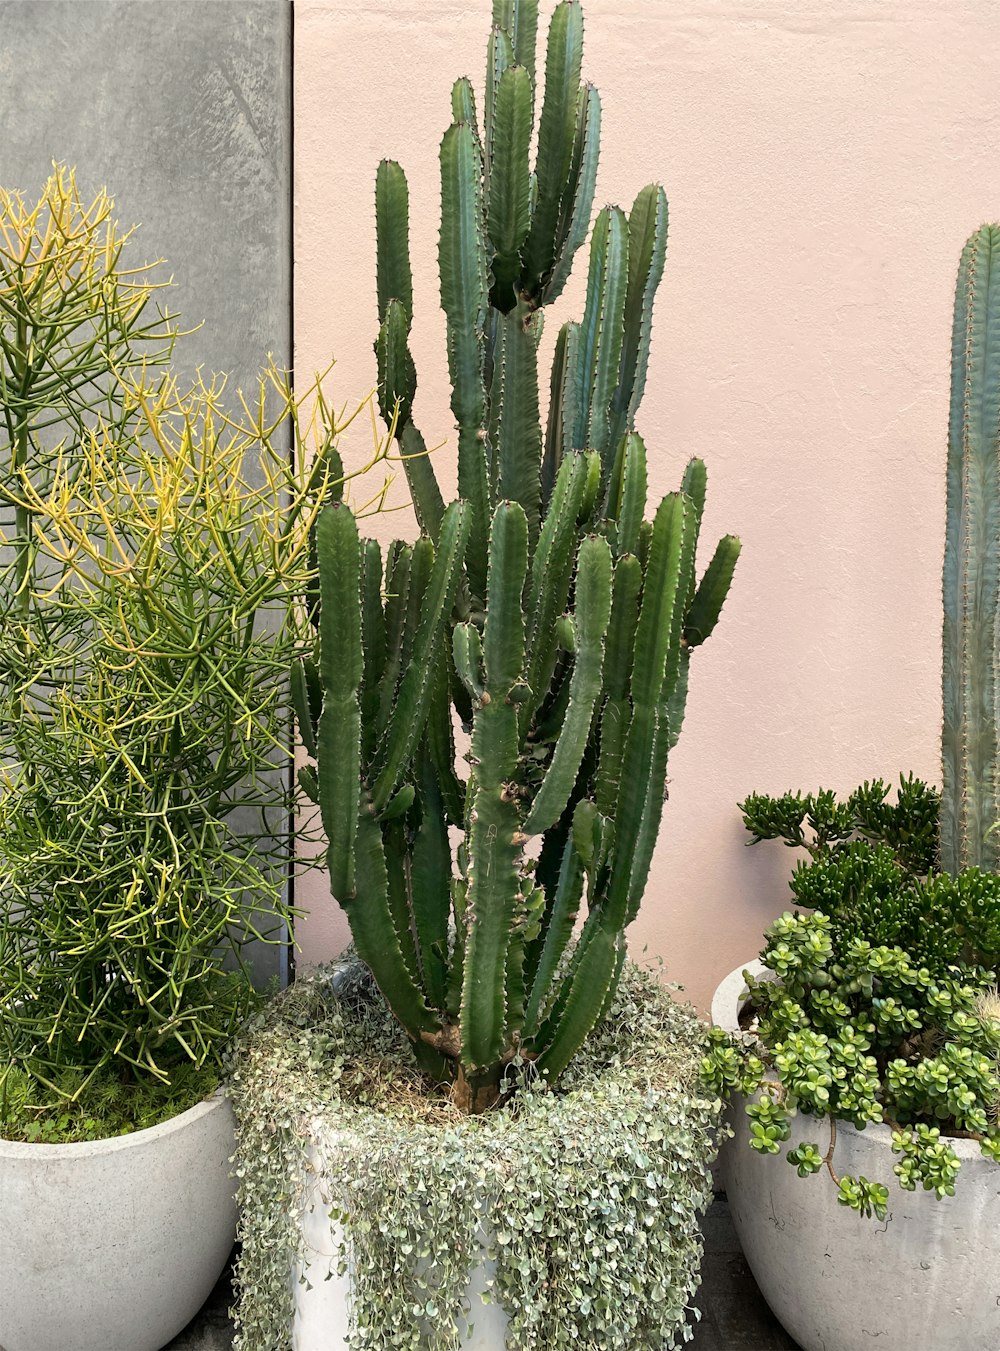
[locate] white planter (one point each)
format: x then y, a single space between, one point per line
114 1245
321 1320
587 1199
929 1277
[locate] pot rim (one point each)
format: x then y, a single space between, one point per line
13 1150
727 1002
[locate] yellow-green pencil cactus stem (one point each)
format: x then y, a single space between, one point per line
970 804
542 609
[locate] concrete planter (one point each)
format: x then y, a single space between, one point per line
928 1277
578 1211
114 1245
321 1320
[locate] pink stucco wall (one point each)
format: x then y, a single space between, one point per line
824 162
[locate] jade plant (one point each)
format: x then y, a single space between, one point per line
880 1004
143 697
883 1001
541 608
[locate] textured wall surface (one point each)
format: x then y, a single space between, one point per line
824 164
182 108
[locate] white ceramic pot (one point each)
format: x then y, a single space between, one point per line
114 1245
927 1279
321 1320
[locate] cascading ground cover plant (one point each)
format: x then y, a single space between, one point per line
151 541
592 1193
884 1004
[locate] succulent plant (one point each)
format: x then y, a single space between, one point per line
970 803
542 606
879 1004
146 531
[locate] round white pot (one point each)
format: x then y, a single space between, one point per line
114 1245
321 1321
928 1277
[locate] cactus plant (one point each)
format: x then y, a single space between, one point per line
970 803
542 606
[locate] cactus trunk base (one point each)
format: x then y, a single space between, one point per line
473 1094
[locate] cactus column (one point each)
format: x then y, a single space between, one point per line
969 805
543 609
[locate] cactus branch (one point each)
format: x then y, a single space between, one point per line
494 840
411 705
341 669
462 258
592 612
556 135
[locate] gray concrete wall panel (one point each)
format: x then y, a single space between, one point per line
182 108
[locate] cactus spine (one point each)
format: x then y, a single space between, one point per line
542 607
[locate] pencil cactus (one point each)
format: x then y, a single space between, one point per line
970 803
542 606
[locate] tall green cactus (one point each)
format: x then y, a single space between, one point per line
543 608
970 803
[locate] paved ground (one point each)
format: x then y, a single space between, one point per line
734 1315
211 1330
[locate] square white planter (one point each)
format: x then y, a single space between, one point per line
592 1193
321 1319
